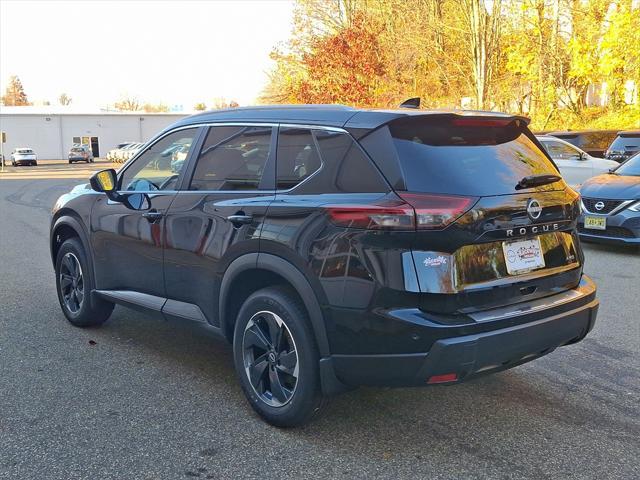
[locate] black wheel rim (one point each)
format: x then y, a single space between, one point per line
71 283
270 358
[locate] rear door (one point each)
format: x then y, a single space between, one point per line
217 215
481 240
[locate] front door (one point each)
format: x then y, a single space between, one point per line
95 147
219 214
128 244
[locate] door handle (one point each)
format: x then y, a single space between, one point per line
240 219
153 215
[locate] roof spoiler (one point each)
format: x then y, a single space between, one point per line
411 103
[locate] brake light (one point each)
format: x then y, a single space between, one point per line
481 122
410 212
437 211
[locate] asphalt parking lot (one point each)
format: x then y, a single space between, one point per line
144 399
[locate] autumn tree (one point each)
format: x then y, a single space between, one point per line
128 104
155 107
540 58
199 107
14 95
64 99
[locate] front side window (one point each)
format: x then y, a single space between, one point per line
158 168
232 158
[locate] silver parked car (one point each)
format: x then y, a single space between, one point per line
80 153
23 156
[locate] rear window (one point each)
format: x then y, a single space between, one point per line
77 150
626 142
24 150
458 157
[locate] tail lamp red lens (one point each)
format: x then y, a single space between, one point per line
411 211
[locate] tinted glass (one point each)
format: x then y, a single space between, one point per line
156 168
439 157
297 157
232 158
630 167
347 165
626 143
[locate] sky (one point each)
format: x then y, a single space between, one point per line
175 52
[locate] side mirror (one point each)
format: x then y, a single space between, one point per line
104 181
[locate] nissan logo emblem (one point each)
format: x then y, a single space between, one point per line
599 206
534 210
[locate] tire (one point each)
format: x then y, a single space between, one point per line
74 292
70 162
293 363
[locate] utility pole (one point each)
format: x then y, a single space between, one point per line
2 140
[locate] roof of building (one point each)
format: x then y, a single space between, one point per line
53 110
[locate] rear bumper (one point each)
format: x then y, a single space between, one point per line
469 356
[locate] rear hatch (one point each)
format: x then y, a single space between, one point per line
483 236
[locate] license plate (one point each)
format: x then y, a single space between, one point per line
523 256
596 223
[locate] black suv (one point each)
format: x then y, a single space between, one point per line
336 247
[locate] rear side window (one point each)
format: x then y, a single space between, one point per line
347 165
297 157
232 158
624 142
466 157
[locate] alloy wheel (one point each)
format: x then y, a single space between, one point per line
71 282
270 358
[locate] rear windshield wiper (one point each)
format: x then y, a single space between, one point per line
537 180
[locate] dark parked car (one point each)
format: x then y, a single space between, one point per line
594 142
80 153
611 205
625 145
336 247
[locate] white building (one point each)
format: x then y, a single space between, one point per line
51 131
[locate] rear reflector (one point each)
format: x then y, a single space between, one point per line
447 377
411 211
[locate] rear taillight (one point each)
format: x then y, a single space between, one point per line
434 212
388 214
411 211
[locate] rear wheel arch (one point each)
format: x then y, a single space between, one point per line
254 271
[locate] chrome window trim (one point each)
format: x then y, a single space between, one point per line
160 136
